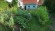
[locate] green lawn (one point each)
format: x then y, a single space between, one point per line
3 5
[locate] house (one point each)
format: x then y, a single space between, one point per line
29 4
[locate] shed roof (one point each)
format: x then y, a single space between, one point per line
29 1
33 2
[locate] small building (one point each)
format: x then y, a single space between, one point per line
29 4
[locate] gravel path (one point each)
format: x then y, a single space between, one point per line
52 26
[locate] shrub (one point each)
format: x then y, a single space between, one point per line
43 15
28 20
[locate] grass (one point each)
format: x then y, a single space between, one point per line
3 5
3 28
35 26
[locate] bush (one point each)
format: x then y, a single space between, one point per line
27 20
43 15
10 18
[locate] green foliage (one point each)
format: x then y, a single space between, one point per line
32 20
11 22
40 20
29 20
4 28
14 2
10 19
50 5
43 15
3 5
22 17
2 19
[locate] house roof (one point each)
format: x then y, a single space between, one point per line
33 2
29 1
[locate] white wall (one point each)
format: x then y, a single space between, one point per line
20 3
9 0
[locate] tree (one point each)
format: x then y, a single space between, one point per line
50 5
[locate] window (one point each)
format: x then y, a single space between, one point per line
33 6
28 6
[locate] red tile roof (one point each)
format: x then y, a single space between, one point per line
29 1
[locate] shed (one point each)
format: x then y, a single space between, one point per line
30 4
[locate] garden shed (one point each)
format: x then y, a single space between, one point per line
29 4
